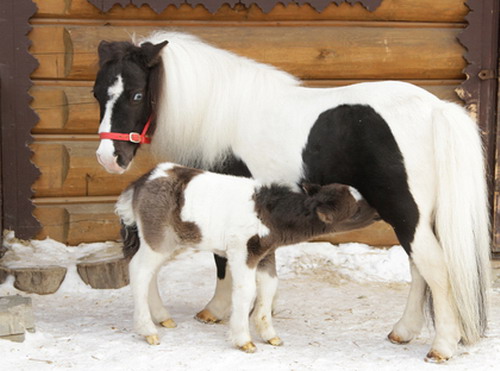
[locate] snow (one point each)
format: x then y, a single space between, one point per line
336 305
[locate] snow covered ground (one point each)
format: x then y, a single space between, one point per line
336 305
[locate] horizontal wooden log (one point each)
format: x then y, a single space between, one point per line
73 224
313 52
65 109
76 222
377 234
389 10
69 168
69 108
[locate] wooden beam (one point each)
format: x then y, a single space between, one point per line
315 52
389 10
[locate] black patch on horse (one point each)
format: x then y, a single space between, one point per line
232 165
352 144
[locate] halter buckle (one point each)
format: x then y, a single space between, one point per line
135 138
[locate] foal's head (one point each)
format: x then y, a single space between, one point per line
124 88
341 207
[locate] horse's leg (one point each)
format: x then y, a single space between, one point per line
429 259
413 319
243 293
267 284
142 270
159 313
219 307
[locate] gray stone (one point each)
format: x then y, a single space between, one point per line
16 316
38 280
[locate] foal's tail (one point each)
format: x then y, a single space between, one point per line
129 232
461 215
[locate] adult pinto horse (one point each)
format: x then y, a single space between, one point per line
416 159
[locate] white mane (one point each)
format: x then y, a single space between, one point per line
207 92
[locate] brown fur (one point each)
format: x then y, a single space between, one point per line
294 217
164 209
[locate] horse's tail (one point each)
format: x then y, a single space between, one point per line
129 232
461 215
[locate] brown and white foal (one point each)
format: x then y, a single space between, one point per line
173 207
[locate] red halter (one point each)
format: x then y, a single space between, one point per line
130 137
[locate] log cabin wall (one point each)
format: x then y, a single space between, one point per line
407 40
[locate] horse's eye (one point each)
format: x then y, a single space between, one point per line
137 97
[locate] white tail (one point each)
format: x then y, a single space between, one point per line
461 216
123 207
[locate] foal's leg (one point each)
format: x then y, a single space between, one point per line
428 257
413 319
159 313
143 268
267 284
243 293
219 307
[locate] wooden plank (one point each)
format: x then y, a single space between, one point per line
77 223
377 234
70 168
496 217
68 109
389 10
74 223
314 52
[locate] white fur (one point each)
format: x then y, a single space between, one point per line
123 207
223 209
215 102
106 150
355 193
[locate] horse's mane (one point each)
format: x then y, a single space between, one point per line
206 94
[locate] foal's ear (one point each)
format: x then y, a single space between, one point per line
152 52
326 214
310 189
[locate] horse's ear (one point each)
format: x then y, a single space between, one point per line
310 189
152 52
105 52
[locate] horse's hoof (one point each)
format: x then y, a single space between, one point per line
395 339
169 323
275 341
206 316
153 339
248 347
435 357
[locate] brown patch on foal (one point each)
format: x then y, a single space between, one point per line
159 204
293 217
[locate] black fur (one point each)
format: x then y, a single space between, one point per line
130 238
352 144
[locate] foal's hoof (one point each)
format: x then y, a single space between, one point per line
435 357
169 323
206 316
248 347
395 339
153 339
275 341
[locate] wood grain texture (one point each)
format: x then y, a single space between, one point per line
389 10
69 168
74 223
313 52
